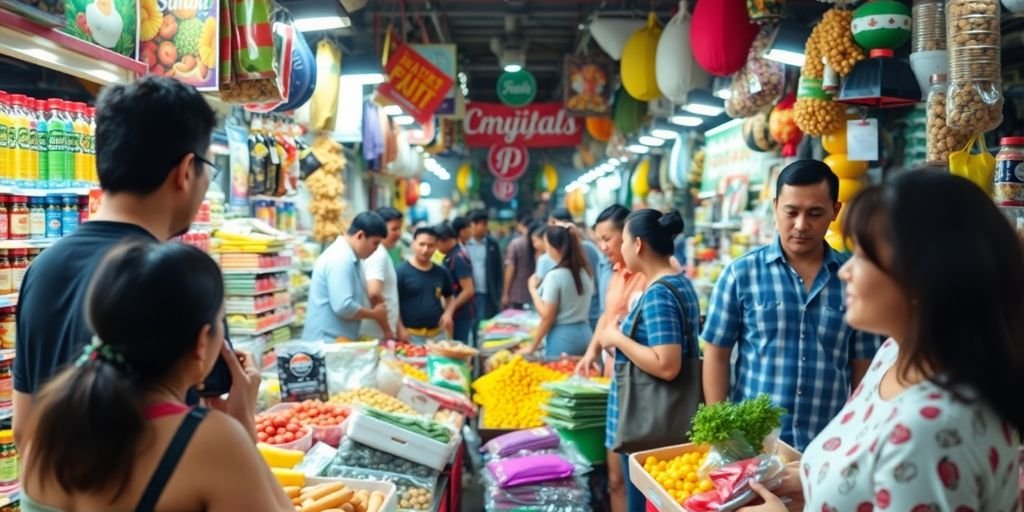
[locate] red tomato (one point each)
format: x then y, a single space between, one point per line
261 437
288 437
270 430
278 440
293 428
280 421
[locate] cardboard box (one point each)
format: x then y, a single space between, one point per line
486 434
655 493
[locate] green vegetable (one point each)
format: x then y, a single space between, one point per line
752 419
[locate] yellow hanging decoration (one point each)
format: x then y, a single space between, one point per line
638 61
641 185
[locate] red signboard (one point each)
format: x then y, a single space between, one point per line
508 162
414 83
504 191
535 125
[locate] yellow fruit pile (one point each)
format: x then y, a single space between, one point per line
511 395
414 372
678 476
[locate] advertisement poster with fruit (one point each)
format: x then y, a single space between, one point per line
112 24
180 39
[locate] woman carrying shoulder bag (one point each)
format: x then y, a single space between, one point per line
657 384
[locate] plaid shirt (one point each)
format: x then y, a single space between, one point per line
661 324
793 345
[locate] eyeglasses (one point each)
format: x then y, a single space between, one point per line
216 169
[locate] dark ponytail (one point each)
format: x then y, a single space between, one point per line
567 243
657 230
147 303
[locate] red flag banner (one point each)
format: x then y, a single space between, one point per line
414 83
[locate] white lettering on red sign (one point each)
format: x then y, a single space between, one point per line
534 125
508 162
504 190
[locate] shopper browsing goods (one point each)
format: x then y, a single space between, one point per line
935 421
519 266
562 217
650 348
381 280
338 302
158 314
487 272
425 291
460 268
150 138
563 300
781 307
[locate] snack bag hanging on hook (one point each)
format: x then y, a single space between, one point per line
977 167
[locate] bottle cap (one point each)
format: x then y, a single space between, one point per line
55 103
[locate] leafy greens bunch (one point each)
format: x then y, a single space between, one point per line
751 419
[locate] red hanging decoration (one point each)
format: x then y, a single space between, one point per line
783 128
720 35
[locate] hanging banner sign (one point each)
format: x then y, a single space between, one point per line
508 162
504 191
414 83
537 125
442 56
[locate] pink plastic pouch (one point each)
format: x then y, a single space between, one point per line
533 439
528 470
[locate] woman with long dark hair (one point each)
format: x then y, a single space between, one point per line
658 333
934 424
563 298
112 432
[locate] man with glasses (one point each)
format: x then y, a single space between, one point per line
150 136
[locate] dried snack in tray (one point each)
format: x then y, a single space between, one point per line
448 399
302 370
373 398
357 455
414 493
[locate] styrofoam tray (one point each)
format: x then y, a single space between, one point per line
388 488
397 441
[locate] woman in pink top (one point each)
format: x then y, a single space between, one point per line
113 432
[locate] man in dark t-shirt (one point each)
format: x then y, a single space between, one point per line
151 136
425 291
457 263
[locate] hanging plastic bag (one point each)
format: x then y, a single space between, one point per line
977 167
285 35
255 54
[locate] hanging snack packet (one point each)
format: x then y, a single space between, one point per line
449 373
302 371
255 54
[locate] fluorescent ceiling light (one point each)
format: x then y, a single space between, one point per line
43 55
786 57
686 120
404 120
704 110
639 149
664 133
725 93
654 142
623 158
419 149
393 110
366 78
321 23
513 68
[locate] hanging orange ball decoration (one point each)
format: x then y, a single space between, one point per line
783 128
600 127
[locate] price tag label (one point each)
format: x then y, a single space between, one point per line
423 404
753 84
862 140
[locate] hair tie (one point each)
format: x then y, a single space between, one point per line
105 353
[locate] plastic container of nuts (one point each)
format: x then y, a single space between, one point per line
759 84
941 138
929 26
974 102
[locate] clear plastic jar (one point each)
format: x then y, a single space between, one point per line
975 98
941 138
1009 175
929 26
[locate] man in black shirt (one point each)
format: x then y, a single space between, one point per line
424 291
456 262
151 136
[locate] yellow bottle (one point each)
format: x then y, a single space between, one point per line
25 156
81 155
6 137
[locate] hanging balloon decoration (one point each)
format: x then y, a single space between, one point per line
466 180
676 70
721 35
611 34
641 179
412 191
547 178
638 60
628 113
851 182
576 202
782 125
600 127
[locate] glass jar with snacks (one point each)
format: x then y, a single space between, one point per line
7 327
974 102
941 138
1009 176
929 26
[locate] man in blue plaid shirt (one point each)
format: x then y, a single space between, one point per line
781 306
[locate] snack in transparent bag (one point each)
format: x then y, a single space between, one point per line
358 455
317 459
760 83
974 101
567 450
732 484
566 494
414 493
